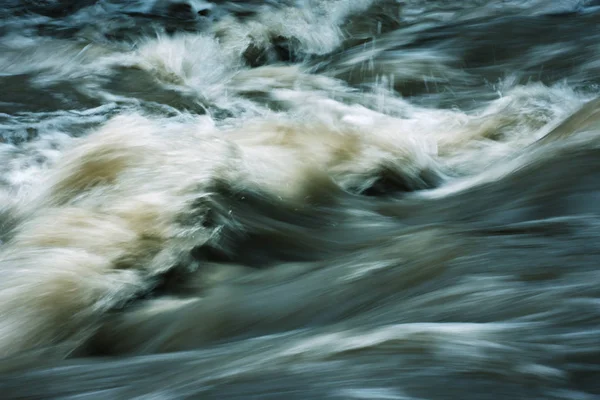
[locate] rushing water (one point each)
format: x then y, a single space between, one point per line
328 199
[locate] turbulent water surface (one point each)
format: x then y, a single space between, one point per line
328 199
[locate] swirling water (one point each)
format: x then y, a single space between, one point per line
345 199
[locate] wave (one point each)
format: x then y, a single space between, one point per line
299 199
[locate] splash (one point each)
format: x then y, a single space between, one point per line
299 199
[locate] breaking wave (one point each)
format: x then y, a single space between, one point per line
300 199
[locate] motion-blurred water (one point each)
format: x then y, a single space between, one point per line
329 199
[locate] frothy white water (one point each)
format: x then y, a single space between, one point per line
133 199
326 199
